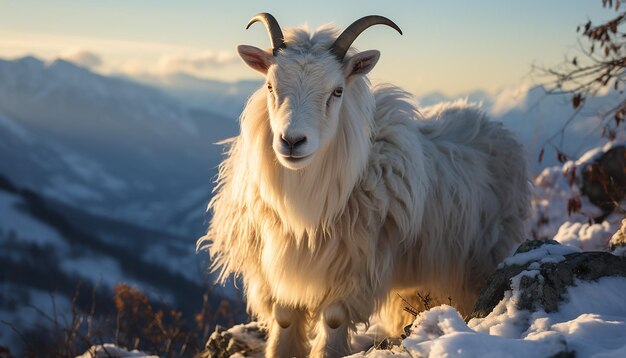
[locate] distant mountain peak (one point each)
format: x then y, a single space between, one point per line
65 65
30 61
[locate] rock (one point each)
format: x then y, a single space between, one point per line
545 290
109 350
530 245
617 245
604 180
247 340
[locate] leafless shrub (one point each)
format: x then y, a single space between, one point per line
156 328
599 66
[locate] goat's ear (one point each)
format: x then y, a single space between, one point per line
255 58
361 63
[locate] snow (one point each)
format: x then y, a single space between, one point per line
542 254
551 220
508 332
442 332
67 191
594 237
182 258
15 129
595 153
366 335
90 171
95 269
18 225
24 307
109 350
252 341
620 251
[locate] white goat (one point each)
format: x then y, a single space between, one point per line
336 195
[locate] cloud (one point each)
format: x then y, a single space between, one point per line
125 57
82 58
196 63
206 64
508 98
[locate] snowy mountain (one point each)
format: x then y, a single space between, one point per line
47 245
53 254
102 180
107 145
222 97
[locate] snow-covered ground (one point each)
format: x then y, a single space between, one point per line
592 322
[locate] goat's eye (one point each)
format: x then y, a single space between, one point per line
338 92
270 88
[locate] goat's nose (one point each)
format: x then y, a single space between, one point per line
292 142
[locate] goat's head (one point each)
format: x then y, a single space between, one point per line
305 86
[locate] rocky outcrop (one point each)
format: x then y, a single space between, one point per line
546 289
246 340
604 180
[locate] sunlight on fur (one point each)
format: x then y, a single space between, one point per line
385 200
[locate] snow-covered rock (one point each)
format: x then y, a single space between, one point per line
243 340
541 282
591 321
109 350
604 179
570 205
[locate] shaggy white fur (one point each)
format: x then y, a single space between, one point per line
389 203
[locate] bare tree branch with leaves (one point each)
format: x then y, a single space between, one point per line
600 66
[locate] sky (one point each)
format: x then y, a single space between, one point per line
452 46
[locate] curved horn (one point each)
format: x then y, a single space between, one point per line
347 37
276 34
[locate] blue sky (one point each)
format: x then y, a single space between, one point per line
451 46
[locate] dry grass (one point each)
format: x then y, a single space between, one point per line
134 323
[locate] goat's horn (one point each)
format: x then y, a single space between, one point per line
276 34
347 37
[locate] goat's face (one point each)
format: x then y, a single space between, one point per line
304 97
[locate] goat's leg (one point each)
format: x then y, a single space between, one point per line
288 335
332 339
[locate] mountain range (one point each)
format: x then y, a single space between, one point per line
107 145
107 177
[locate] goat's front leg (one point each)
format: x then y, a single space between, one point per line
288 335
331 336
